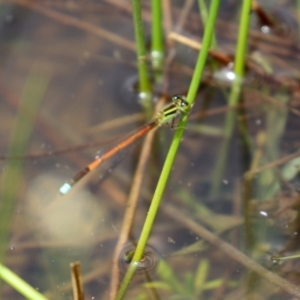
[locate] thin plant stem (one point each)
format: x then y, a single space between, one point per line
144 82
233 97
157 47
204 13
11 180
130 211
19 284
28 108
172 152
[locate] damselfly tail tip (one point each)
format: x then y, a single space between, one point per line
65 188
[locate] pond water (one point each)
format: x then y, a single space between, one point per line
230 210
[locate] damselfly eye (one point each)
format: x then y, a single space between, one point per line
183 103
175 98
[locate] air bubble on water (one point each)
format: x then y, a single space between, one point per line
265 29
230 75
263 213
144 97
156 54
226 75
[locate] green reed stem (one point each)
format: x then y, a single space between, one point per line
144 82
233 97
157 47
204 15
19 284
208 33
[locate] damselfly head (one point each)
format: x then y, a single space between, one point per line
181 102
